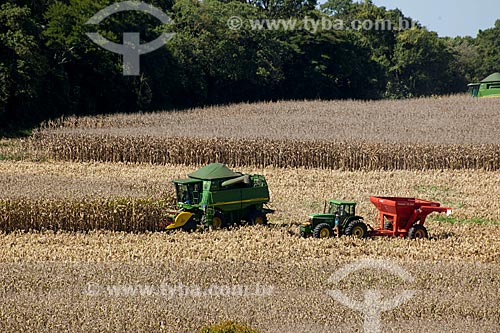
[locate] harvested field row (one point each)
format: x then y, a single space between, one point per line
104 281
264 152
466 243
119 197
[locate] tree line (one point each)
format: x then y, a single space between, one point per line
49 67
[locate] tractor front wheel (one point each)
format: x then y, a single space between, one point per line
417 231
356 229
323 230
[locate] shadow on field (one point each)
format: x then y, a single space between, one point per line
442 235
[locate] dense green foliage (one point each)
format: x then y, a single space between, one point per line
49 67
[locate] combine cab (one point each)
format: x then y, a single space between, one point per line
216 196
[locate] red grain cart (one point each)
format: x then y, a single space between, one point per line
404 216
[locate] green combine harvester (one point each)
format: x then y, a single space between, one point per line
489 87
215 196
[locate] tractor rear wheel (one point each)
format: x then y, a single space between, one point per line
356 229
323 230
417 231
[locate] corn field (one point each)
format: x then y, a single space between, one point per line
264 153
117 214
66 265
455 132
120 197
103 281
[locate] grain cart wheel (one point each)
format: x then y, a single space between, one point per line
323 230
388 225
417 231
356 229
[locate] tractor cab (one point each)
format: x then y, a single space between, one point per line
341 208
338 216
188 191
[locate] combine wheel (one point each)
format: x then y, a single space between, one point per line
323 230
258 219
218 221
417 231
356 229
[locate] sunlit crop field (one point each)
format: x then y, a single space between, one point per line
157 281
456 119
81 246
82 282
88 196
456 132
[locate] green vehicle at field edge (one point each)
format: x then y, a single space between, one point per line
338 217
215 196
489 87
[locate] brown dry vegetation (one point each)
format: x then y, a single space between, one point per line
73 196
455 132
59 282
447 120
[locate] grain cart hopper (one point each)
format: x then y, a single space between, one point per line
404 216
216 196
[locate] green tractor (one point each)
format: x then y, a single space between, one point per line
216 197
338 218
